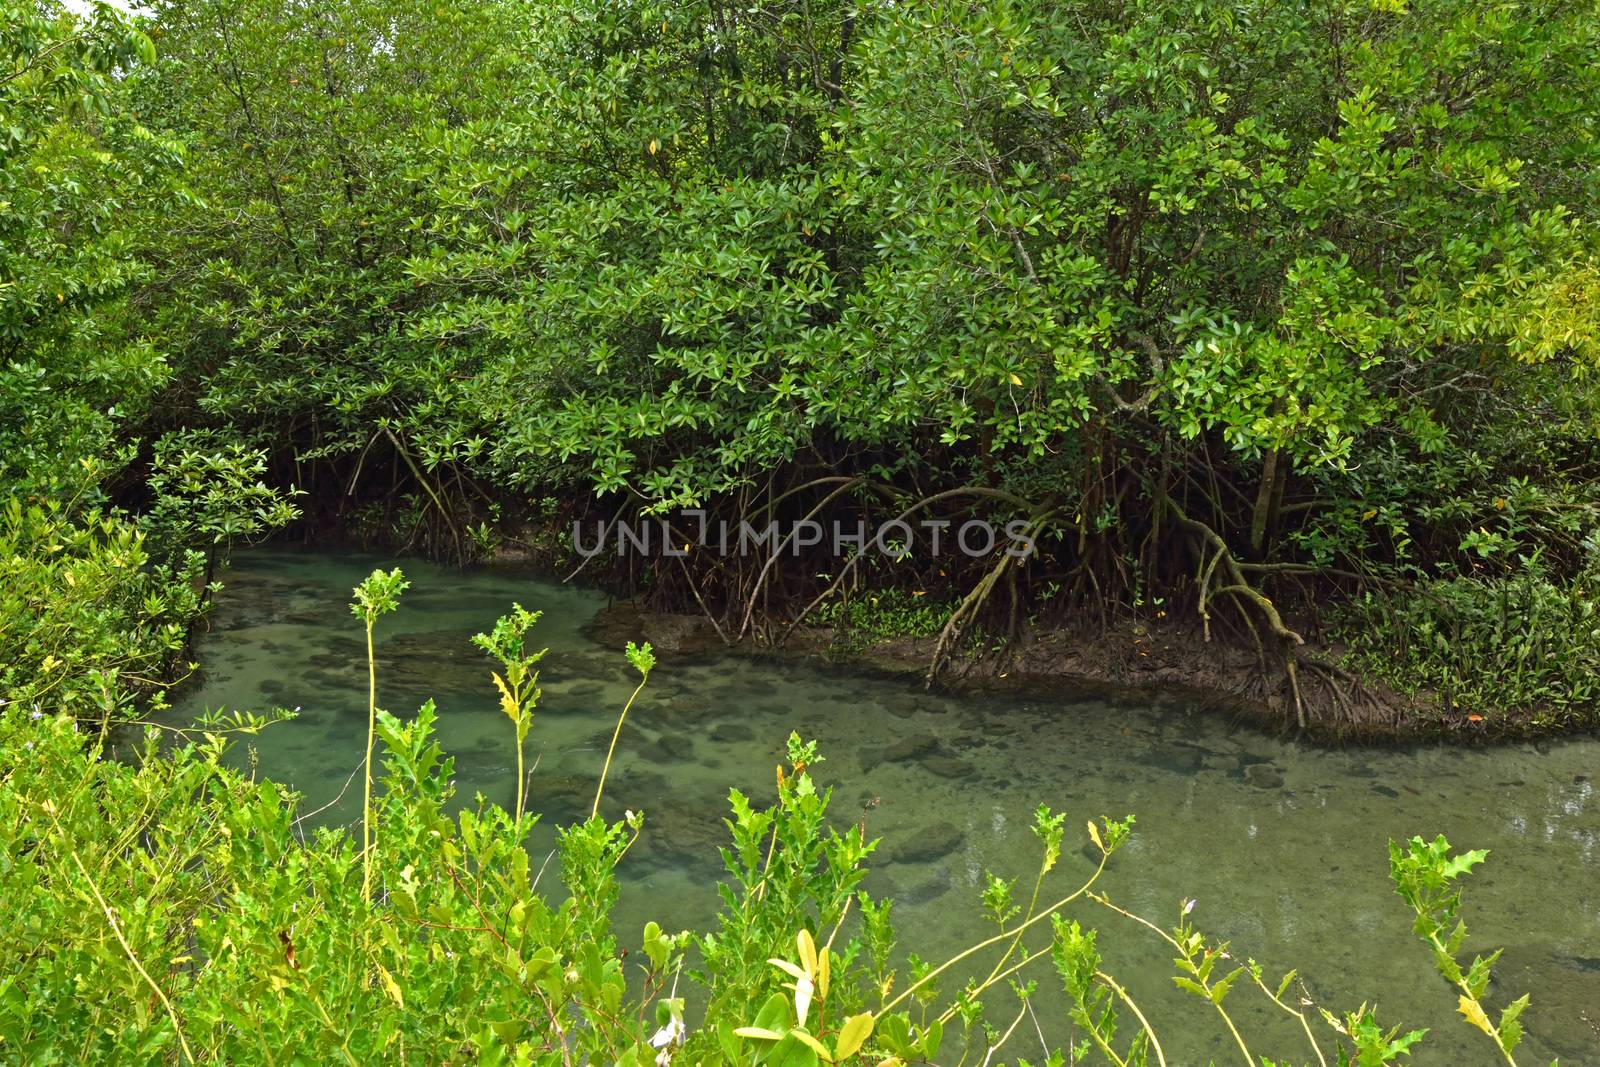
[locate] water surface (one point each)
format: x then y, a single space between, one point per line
1283 844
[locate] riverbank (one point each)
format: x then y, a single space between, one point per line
1119 661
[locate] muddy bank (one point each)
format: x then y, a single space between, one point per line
1124 662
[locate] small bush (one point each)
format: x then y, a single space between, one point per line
1523 644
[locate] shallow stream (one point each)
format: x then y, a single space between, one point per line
1283 844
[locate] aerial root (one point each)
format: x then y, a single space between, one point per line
972 604
1215 556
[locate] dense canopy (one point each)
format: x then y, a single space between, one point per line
1235 304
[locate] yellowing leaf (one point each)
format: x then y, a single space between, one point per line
391 987
1474 1014
759 1033
1094 835
507 703
808 951
655 146
802 999
853 1034
788 968
812 1043
1015 380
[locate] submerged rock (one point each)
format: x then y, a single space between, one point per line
1176 758
581 693
930 843
681 711
901 709
948 767
561 799
675 747
732 733
680 836
922 892
1264 776
689 635
906 750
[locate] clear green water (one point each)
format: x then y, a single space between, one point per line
1283 844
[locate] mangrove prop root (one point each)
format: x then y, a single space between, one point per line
849 569
1215 555
973 602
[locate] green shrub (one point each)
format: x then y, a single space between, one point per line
96 606
867 618
1501 648
86 618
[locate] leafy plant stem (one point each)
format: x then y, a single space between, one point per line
366 799
615 734
1466 995
1169 939
1300 1015
996 939
522 778
116 929
1122 994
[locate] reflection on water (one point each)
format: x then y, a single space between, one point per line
1282 844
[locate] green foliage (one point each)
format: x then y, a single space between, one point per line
789 870
97 605
644 662
309 130
519 687
642 658
378 595
211 494
1425 875
77 168
1321 285
1329 284
868 618
87 619
725 223
1541 636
